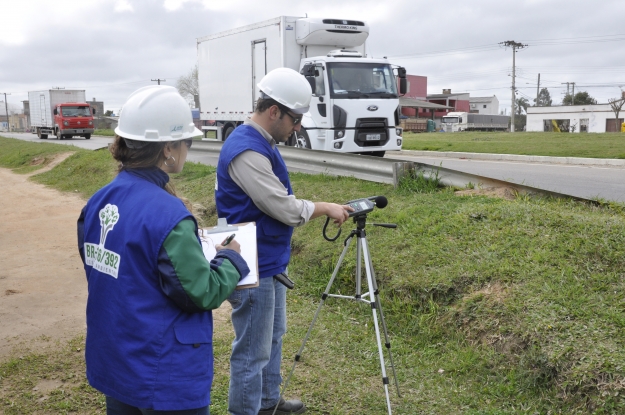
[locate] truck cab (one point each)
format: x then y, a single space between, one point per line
354 107
73 119
454 122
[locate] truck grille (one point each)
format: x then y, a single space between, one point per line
371 132
78 123
371 123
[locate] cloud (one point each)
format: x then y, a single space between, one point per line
172 5
111 47
122 6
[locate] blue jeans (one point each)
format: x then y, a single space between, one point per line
259 321
115 407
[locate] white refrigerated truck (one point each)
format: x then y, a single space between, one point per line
355 103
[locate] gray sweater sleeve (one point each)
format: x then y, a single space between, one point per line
252 172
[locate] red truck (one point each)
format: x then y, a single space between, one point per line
60 112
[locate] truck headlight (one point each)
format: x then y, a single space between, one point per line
339 134
399 131
338 145
399 142
90 122
65 123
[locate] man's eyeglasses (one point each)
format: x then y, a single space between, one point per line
296 120
188 142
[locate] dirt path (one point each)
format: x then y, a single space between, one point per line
42 283
43 290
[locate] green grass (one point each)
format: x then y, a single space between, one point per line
106 132
608 145
52 382
493 306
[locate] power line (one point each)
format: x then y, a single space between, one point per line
470 49
159 80
534 42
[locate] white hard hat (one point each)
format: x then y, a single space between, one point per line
287 87
156 113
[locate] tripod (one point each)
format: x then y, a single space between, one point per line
371 297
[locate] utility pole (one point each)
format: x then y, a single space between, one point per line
567 86
573 94
159 80
538 90
514 45
6 109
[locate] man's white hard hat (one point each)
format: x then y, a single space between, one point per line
156 113
287 87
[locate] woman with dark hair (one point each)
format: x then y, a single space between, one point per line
149 324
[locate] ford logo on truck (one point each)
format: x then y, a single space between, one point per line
345 27
372 107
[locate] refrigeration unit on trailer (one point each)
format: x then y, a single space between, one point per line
355 103
464 121
60 112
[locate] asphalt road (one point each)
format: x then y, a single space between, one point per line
93 144
582 181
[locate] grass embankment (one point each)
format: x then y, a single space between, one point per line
105 132
493 306
608 145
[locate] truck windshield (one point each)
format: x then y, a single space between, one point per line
350 80
76 111
450 120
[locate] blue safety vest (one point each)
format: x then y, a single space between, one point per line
273 237
141 348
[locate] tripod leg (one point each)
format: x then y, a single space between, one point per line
358 268
383 321
373 303
323 298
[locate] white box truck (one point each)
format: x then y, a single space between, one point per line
60 112
465 121
355 103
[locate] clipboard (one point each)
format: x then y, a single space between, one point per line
245 234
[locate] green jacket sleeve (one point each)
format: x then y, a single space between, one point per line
187 277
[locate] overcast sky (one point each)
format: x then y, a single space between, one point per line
112 47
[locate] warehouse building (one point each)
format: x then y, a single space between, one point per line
598 118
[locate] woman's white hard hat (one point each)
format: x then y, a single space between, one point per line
287 87
156 113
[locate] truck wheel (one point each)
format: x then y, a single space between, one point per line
375 153
228 131
87 136
59 136
302 140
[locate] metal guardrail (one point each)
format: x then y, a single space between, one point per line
383 170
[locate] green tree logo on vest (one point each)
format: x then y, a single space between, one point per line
97 256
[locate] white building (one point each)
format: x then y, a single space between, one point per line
484 105
598 118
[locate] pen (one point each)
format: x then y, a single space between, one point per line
228 240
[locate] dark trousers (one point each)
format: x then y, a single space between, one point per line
115 407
